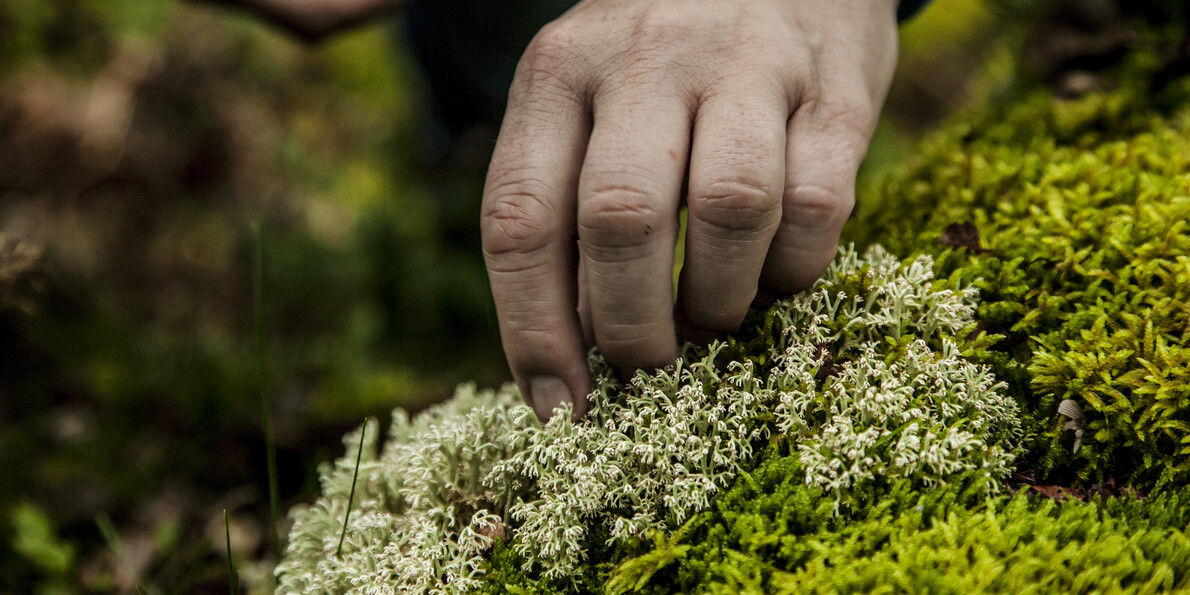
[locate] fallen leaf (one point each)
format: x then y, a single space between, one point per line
962 235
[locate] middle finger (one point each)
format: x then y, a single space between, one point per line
627 223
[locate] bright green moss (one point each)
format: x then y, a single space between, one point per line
770 533
1082 207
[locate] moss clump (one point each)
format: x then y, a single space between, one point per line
772 533
1083 266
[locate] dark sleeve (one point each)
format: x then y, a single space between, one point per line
907 8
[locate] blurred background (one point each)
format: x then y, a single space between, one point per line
153 153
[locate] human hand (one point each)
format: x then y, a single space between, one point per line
766 107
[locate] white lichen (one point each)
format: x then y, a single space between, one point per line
863 379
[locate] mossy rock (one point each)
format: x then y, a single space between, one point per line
860 436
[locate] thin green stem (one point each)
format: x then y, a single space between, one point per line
232 577
351 496
266 401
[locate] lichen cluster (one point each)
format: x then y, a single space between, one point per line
861 377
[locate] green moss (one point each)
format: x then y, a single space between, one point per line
1082 209
771 533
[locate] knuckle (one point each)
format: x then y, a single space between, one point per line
817 206
531 337
516 220
556 39
661 25
619 214
855 115
737 205
552 53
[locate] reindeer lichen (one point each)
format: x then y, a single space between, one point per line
864 380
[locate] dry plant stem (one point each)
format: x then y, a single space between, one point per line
111 537
351 496
266 404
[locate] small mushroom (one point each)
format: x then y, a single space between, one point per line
1078 423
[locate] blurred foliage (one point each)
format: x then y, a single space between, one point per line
140 140
35 540
942 61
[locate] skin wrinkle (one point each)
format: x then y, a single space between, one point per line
736 206
855 117
631 336
726 257
618 209
517 224
569 108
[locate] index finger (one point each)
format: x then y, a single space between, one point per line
527 228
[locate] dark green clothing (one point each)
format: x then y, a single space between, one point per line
469 50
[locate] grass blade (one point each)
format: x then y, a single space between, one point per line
351 496
266 401
232 578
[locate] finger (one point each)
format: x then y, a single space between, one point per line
627 222
827 143
737 174
527 228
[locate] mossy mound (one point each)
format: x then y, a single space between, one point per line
1079 244
857 437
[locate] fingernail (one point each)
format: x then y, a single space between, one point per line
548 393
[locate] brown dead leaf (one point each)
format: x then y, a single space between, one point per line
962 235
498 531
827 369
